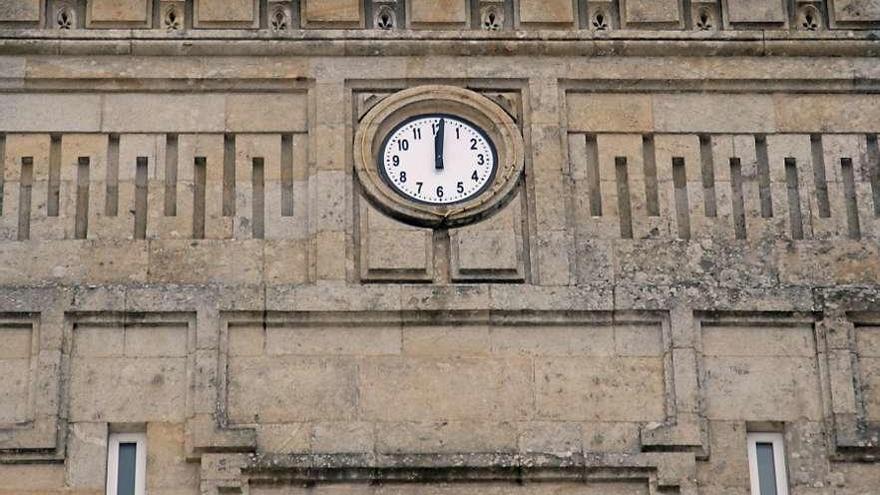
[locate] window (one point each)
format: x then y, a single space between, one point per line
767 464
126 464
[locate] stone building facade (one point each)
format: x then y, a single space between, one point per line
689 255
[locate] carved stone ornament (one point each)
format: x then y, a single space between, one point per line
454 103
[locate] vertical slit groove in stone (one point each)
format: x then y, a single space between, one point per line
795 215
200 177
81 229
2 169
707 164
624 205
171 175
111 203
24 198
682 208
54 190
651 194
287 175
738 205
764 177
259 212
229 175
819 176
874 171
593 178
849 193
141 191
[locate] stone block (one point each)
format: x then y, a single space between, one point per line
98 340
127 390
868 340
431 389
600 112
155 341
246 340
142 112
755 11
206 261
303 389
267 112
826 113
651 12
50 112
562 340
332 13
226 14
87 456
343 437
119 13
15 388
758 341
442 340
551 437
16 479
714 113
546 12
17 340
438 13
167 468
285 438
361 340
445 437
610 437
20 10
638 340
870 370
601 389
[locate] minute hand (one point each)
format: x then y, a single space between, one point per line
438 145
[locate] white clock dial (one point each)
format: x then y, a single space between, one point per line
438 159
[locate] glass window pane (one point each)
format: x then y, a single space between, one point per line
766 468
125 475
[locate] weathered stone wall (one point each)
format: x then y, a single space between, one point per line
691 254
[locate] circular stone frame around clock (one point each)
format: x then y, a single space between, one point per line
471 106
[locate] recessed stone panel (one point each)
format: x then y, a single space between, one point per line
491 249
651 12
855 11
15 367
437 13
392 250
332 13
145 379
761 373
868 345
546 12
226 13
119 13
755 11
20 10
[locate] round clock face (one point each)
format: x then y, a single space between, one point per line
438 159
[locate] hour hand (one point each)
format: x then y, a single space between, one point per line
438 145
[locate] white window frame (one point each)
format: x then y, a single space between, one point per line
777 440
140 475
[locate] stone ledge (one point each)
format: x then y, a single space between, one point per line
356 43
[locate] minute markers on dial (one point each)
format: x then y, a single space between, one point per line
456 165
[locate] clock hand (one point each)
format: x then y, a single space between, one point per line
438 145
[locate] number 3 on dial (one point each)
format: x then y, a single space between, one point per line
438 159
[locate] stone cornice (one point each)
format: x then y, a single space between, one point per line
424 43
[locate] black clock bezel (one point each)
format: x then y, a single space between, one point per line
408 120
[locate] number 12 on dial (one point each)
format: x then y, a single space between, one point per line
438 159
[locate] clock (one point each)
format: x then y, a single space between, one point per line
438 156
439 159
